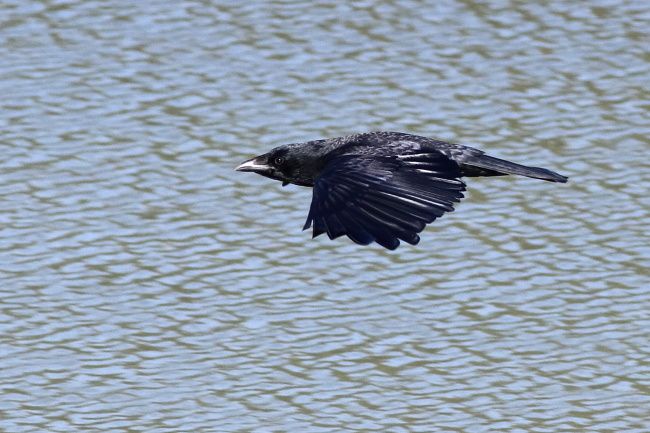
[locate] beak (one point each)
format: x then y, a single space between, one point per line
256 165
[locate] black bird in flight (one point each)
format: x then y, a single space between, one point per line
382 186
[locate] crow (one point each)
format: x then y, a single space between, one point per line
381 186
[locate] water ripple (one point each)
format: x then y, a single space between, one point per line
147 287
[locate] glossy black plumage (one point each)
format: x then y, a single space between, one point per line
382 186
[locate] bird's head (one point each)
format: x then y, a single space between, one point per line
291 163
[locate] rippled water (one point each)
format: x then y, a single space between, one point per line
148 287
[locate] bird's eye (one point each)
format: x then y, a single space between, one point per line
279 160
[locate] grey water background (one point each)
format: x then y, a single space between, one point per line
146 287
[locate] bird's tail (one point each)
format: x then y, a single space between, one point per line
501 166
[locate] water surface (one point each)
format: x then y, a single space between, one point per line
145 286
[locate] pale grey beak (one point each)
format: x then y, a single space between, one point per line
254 165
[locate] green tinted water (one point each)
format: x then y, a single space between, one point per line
145 286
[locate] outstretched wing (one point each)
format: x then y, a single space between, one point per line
383 199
